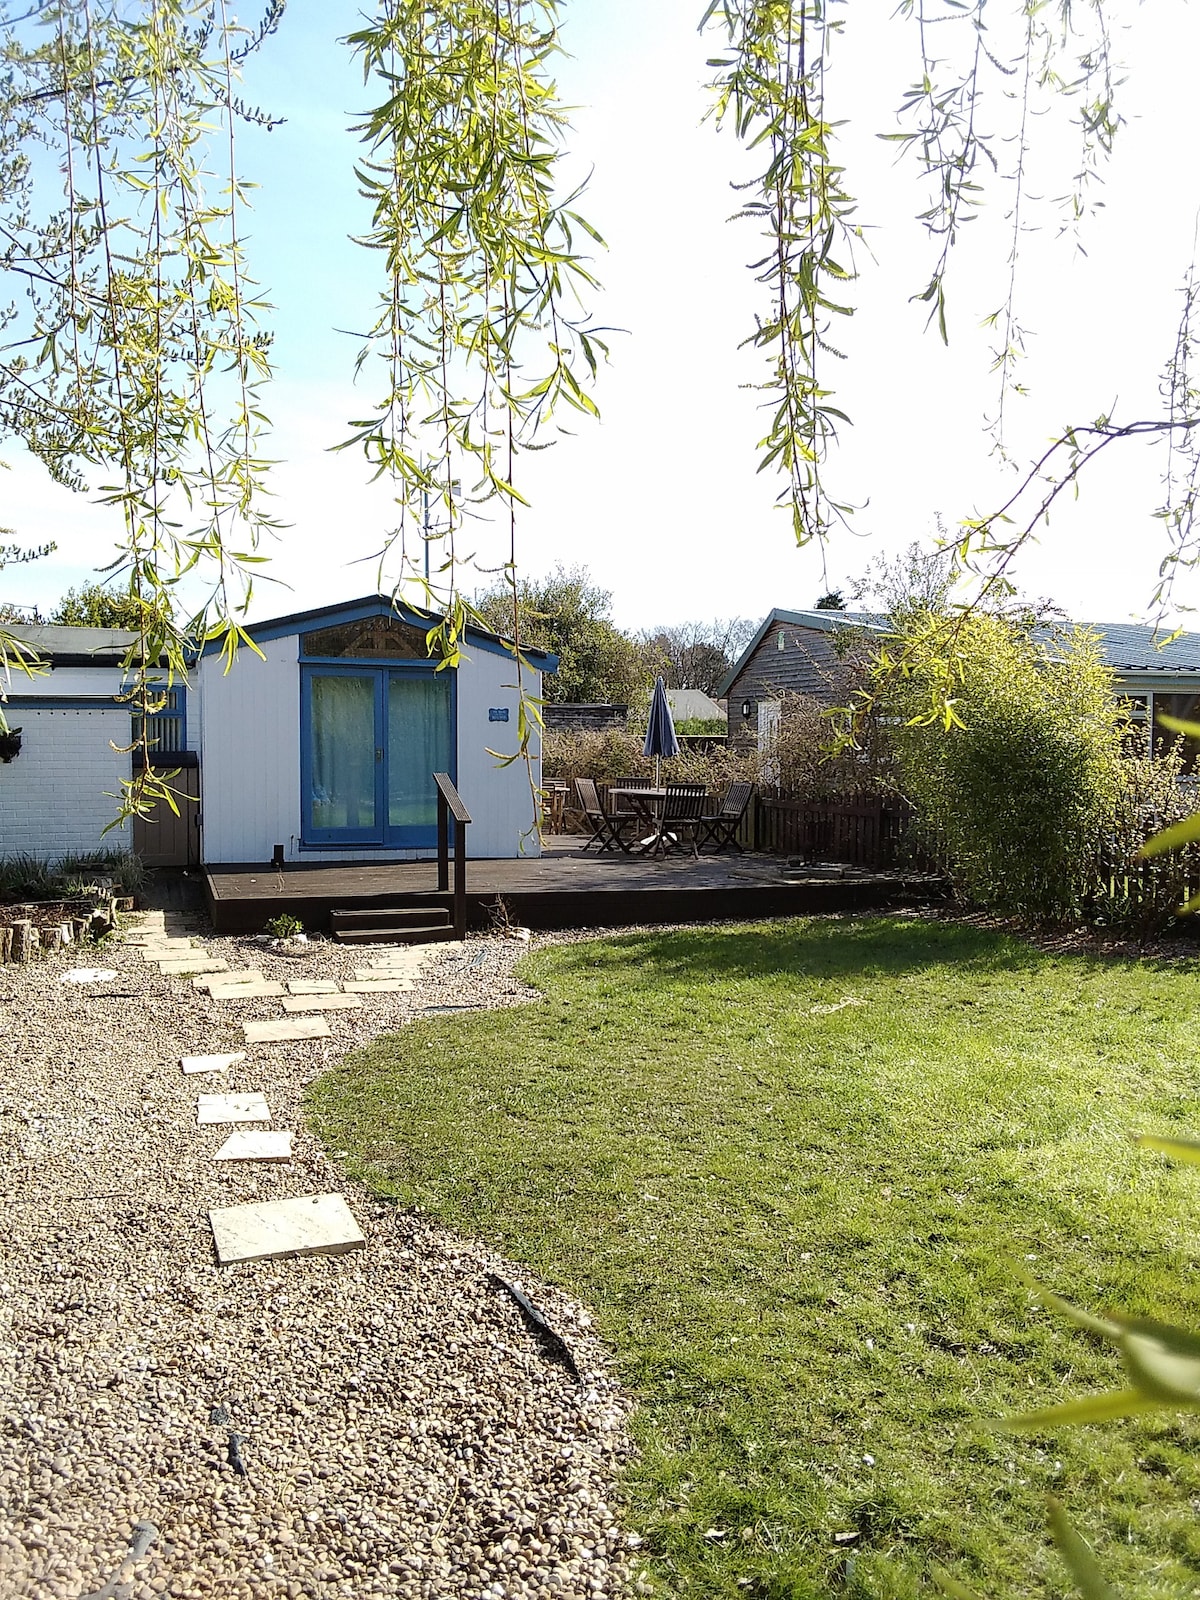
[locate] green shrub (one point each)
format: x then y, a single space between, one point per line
1011 749
29 877
610 753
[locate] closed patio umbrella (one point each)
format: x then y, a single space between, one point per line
660 730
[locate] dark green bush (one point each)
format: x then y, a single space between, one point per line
1010 746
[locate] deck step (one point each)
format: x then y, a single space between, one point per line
390 917
409 934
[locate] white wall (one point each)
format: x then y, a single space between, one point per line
250 759
497 797
249 725
56 797
98 682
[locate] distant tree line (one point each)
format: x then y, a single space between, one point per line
598 661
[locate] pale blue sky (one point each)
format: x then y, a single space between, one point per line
661 500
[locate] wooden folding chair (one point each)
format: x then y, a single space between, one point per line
722 826
605 830
681 813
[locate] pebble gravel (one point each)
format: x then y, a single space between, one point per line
375 1423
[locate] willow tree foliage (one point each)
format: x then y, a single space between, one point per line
132 357
481 339
982 79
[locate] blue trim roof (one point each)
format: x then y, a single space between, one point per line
1131 649
378 605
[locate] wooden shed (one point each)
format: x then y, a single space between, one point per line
320 743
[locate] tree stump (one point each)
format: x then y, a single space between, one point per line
23 936
79 928
5 945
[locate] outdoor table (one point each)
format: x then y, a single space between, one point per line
647 802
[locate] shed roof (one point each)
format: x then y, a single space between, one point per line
1131 649
65 646
375 605
693 704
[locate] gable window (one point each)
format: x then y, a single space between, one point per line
373 638
780 640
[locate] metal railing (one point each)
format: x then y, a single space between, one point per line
450 805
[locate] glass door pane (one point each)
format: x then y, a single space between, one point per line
343 782
418 728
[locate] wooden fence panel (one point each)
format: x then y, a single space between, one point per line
861 830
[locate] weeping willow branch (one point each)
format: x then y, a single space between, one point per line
481 333
770 85
133 351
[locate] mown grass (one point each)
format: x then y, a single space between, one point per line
802 1230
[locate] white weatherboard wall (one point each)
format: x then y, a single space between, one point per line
250 753
56 797
250 763
497 797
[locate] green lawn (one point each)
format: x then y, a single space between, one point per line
800 1230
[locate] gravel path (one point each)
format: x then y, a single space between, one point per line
401 1432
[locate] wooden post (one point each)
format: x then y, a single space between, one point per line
460 880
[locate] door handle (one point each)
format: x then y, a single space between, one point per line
378 752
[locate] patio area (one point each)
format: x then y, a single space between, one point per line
561 888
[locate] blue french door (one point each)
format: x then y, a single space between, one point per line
372 739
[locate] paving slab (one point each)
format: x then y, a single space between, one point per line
382 975
212 1109
281 1030
212 1063
89 975
227 979
153 949
322 1002
246 991
312 1224
184 968
377 986
312 986
257 1144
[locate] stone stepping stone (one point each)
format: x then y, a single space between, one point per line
88 975
312 986
377 986
213 1109
322 1002
226 979
382 975
246 991
312 1224
257 1144
167 947
282 1030
212 1063
184 968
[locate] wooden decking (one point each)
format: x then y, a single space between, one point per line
562 888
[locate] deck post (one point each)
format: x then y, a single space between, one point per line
460 880
443 861
450 805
